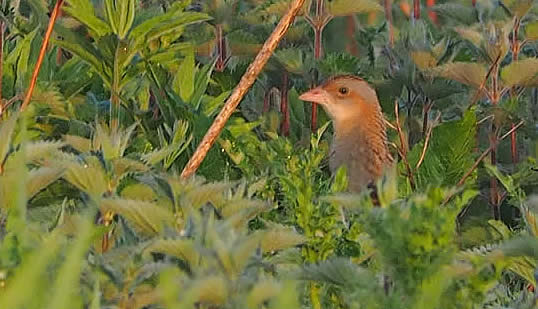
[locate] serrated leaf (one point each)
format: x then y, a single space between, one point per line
262 292
84 12
181 248
423 59
80 144
7 127
521 73
40 178
281 238
470 35
467 73
88 176
184 82
531 31
146 217
349 7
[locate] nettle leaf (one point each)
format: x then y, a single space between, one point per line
519 8
349 7
280 238
184 81
181 248
147 218
467 73
88 176
7 127
210 290
262 292
531 31
39 151
521 73
80 143
423 59
40 178
83 11
470 35
291 59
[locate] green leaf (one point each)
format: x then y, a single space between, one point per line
467 73
40 178
146 217
423 59
350 7
83 11
7 127
521 73
181 248
185 77
112 15
531 31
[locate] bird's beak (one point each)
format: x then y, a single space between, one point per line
315 95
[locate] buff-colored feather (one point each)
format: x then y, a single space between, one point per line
360 140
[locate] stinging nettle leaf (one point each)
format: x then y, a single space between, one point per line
468 73
349 7
521 73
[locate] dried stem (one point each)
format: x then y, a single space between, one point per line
244 84
426 142
42 51
351 46
403 147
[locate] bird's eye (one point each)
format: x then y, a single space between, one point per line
343 90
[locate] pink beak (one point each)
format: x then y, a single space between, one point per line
315 95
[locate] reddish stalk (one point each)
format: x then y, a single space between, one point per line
516 48
42 51
473 2
222 58
431 14
285 125
241 89
1 61
495 97
266 100
416 9
387 4
351 46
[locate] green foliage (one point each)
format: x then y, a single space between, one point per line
94 214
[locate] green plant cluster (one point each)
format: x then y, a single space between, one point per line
94 213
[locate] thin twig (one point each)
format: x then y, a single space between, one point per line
479 122
239 92
483 83
403 147
426 141
52 21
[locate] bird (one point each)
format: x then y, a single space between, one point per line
360 139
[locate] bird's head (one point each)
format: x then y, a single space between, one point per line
344 97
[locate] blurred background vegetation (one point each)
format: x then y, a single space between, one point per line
93 213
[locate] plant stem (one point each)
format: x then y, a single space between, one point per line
244 84
1 62
350 33
266 100
42 51
416 9
494 191
432 14
220 65
285 126
387 4
516 47
114 92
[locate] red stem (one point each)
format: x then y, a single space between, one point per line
285 126
515 56
431 13
387 4
266 100
350 33
416 9
473 2
42 51
221 49
1 60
